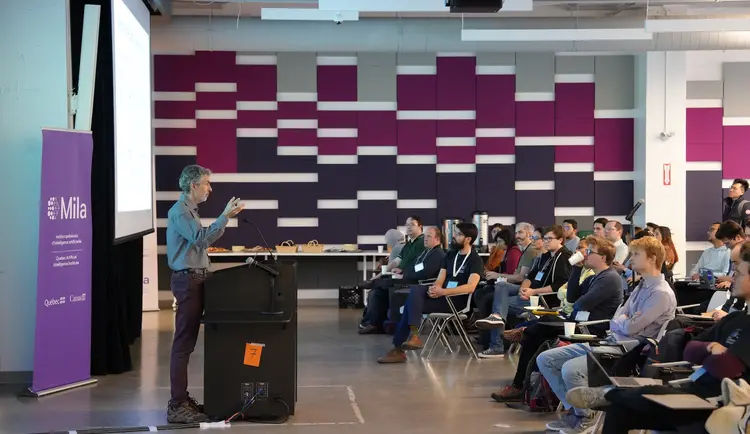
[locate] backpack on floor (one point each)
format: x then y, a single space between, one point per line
537 393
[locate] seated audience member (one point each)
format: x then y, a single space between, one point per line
715 259
599 225
628 238
652 227
723 351
394 240
494 229
747 232
426 266
630 279
600 295
551 272
664 235
613 232
731 234
412 249
650 306
733 303
570 231
459 276
586 271
505 256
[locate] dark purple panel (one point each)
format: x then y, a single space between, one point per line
215 101
167 170
215 67
161 236
337 83
298 137
338 226
574 189
702 201
377 172
256 82
298 200
259 155
174 109
574 100
376 216
456 155
495 145
416 181
417 137
416 92
429 216
456 83
337 119
613 198
174 73
535 163
456 195
265 220
216 144
456 128
496 191
337 146
174 136
496 101
574 154
338 181
223 191
162 208
298 110
734 155
614 145
535 119
377 128
573 127
535 206
257 119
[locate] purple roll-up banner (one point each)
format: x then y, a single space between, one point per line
62 339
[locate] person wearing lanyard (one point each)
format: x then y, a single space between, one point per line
459 276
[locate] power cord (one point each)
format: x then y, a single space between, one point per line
245 406
273 421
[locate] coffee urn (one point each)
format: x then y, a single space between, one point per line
449 228
481 220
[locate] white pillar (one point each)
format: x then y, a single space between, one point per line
659 140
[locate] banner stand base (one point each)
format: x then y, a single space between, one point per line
42 393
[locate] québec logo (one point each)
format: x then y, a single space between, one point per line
70 208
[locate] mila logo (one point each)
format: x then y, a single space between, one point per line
70 208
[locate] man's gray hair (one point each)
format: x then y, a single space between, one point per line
523 226
192 175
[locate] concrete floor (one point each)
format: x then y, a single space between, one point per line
341 388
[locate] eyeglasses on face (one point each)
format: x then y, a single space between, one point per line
536 237
591 252
549 238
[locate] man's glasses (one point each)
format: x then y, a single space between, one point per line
590 252
549 238
536 237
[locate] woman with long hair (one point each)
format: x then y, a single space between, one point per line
664 235
504 257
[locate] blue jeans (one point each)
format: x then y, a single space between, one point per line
418 303
566 367
505 302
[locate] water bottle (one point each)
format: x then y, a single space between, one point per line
710 277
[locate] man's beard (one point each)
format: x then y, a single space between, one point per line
456 246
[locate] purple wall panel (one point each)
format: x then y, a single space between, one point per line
416 181
257 119
456 128
495 146
456 83
161 236
260 155
703 203
337 146
377 172
574 154
297 137
613 198
574 100
377 128
338 226
574 189
162 208
535 207
735 151
573 127
456 155
167 169
614 145
216 142
496 189
248 236
337 83
495 101
256 82
535 163
174 109
456 195
416 92
338 181
535 119
376 216
174 73
216 101
174 136
417 137
298 110
215 67
337 119
704 151
297 199
704 134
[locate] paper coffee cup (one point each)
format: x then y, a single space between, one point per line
576 258
383 269
534 300
380 249
570 328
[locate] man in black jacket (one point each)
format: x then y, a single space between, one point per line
736 207
426 266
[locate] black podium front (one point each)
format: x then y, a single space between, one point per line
251 341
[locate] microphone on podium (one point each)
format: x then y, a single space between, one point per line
253 263
265 243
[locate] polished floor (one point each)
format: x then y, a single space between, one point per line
341 388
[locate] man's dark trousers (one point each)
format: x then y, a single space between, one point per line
377 302
187 287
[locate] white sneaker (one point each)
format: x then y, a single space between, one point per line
491 322
491 354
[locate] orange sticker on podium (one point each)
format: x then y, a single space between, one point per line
253 352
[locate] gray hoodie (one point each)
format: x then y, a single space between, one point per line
396 240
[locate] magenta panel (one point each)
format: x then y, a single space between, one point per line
337 83
417 137
215 67
456 155
337 146
704 134
734 161
174 109
456 83
216 144
174 136
298 110
496 101
377 128
337 119
495 146
297 137
574 154
216 101
614 145
257 118
256 82
416 92
174 73
574 126
456 128
535 118
574 100
704 151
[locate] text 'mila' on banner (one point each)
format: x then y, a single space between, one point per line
62 339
